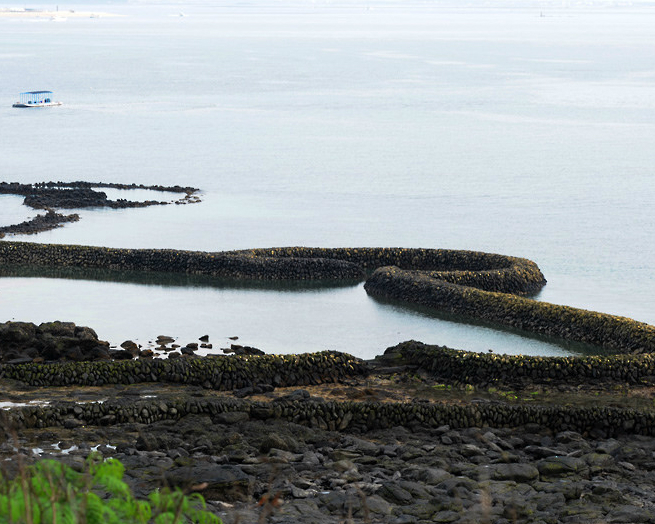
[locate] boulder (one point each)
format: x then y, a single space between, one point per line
58 329
512 472
558 467
131 346
214 481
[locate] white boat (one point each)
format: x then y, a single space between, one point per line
36 99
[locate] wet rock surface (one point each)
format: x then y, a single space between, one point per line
261 460
256 469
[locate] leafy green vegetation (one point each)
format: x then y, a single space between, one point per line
50 492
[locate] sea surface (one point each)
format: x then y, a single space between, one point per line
522 128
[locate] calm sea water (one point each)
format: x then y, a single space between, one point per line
519 128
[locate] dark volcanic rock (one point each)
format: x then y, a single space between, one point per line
216 481
49 196
50 341
130 346
44 198
279 471
245 350
39 223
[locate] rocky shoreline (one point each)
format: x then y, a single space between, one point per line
252 467
360 447
421 434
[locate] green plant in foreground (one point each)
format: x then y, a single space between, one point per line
50 492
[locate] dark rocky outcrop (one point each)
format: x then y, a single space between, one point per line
50 196
24 342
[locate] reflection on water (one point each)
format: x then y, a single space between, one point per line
159 278
277 317
12 210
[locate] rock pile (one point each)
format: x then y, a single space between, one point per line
24 342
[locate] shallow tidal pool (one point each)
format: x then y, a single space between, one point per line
276 318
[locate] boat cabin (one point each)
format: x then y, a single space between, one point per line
36 99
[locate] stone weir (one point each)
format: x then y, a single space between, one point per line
614 333
485 369
470 284
49 196
219 373
336 416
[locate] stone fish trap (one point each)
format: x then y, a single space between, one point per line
50 196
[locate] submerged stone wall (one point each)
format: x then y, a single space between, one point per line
49 196
338 416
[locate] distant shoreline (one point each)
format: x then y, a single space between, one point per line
14 13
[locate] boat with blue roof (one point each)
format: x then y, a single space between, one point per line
36 99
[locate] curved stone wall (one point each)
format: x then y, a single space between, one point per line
486 271
612 332
468 283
